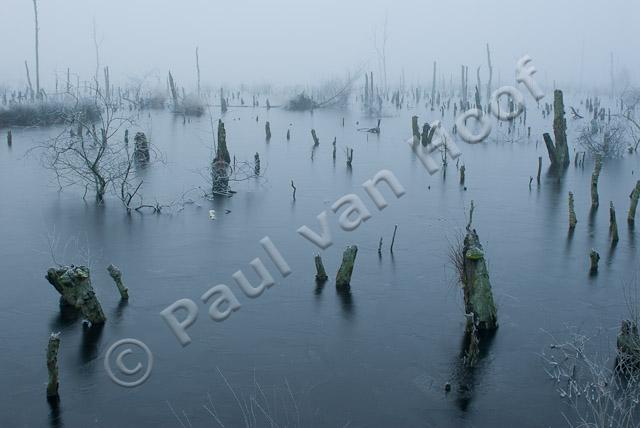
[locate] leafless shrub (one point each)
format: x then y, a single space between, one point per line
96 154
600 392
607 140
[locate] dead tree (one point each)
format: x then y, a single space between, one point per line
52 365
613 224
74 285
321 274
595 199
558 152
116 275
37 29
343 277
594 257
634 196
572 213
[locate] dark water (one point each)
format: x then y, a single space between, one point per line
379 356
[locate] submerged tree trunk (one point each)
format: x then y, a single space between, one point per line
321 274
478 298
558 152
343 278
634 196
52 364
116 275
595 200
74 285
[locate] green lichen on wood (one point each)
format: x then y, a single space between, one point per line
116 275
74 285
634 196
52 364
321 274
478 297
343 278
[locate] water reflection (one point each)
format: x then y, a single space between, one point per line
90 341
346 300
55 415
468 378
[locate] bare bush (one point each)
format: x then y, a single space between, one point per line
607 140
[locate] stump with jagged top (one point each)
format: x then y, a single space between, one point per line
74 285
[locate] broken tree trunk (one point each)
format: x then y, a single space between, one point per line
52 364
415 129
343 277
628 344
634 196
74 285
595 200
613 224
316 140
321 274
141 147
558 152
478 298
220 165
116 275
267 130
256 164
572 213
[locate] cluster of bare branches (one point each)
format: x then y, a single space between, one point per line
602 393
606 140
97 154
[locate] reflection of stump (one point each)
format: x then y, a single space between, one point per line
343 278
628 344
74 285
52 364
595 258
141 147
478 298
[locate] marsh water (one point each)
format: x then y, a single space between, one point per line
377 356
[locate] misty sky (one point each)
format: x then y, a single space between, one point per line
297 41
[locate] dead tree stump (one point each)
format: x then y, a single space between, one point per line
321 274
558 152
343 277
141 147
478 298
572 213
595 200
74 285
52 365
595 258
634 196
116 275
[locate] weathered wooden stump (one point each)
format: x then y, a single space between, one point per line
478 297
613 224
116 275
572 213
74 285
321 274
52 365
595 200
267 130
558 152
141 147
634 196
343 277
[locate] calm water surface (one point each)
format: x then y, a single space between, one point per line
378 356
